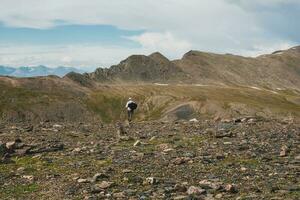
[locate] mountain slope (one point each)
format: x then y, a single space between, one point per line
275 71
56 99
278 70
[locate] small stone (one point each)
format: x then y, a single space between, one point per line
57 126
163 146
82 180
168 150
153 138
125 171
182 160
99 176
182 197
28 177
21 169
223 135
193 190
120 195
243 169
206 184
130 192
230 188
77 149
180 188
225 120
219 196
137 143
104 185
10 145
125 138
284 151
151 181
194 120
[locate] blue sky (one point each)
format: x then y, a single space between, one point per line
68 34
99 33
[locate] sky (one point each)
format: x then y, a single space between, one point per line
99 33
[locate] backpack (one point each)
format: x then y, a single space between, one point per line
132 105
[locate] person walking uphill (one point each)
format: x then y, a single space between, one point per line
131 106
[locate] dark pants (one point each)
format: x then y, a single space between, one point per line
130 113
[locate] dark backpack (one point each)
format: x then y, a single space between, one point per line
132 106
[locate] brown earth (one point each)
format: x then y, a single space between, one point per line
248 158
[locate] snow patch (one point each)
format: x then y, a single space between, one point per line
273 91
201 85
278 53
194 120
161 84
256 88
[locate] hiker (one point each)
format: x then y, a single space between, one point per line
131 106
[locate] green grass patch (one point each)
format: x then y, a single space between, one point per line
19 191
250 163
109 108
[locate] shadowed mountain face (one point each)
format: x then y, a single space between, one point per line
140 68
278 70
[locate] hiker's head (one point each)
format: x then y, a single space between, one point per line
129 98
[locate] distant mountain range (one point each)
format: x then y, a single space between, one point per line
37 71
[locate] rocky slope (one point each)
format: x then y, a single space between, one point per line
203 130
248 158
139 68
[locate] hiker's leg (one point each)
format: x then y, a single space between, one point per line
128 115
132 114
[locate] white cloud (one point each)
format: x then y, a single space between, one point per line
172 26
66 59
165 42
84 56
261 49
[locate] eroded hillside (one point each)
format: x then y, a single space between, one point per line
55 99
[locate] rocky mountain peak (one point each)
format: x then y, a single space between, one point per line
155 67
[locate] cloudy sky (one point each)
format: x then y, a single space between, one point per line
94 33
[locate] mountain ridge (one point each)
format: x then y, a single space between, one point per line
277 70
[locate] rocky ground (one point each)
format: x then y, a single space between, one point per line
246 158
